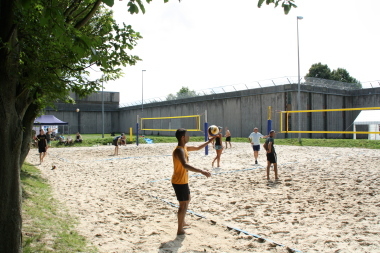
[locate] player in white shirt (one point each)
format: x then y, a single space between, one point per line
254 139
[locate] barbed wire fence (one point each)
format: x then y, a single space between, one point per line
312 81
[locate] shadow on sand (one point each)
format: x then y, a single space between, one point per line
173 245
274 183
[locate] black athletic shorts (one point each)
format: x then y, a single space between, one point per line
228 138
182 191
41 149
256 147
114 142
272 157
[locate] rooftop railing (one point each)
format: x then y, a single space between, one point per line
259 84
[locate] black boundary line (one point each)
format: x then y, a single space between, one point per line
106 159
228 227
258 167
224 172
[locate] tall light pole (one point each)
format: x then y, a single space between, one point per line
142 92
299 83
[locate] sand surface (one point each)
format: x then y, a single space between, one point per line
327 199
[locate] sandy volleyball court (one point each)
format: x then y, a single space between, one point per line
327 199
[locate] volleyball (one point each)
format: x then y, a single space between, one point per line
213 130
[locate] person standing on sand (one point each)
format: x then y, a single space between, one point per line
271 154
254 139
228 137
218 147
42 145
180 177
48 139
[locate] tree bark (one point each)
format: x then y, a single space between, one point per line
10 149
10 134
89 15
27 124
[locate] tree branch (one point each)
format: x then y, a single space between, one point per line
81 12
74 6
89 15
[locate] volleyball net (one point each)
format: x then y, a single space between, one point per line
190 122
328 121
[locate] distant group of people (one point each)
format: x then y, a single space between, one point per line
44 141
69 140
180 177
254 139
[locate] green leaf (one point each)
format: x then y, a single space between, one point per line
133 9
142 8
260 3
110 3
287 9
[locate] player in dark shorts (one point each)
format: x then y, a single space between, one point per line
182 191
271 155
48 139
180 177
42 145
228 137
117 141
218 147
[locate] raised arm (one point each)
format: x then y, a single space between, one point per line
195 148
180 154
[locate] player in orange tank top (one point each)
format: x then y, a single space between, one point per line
180 178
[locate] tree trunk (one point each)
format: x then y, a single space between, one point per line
10 134
27 124
10 149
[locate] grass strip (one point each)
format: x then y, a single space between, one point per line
47 226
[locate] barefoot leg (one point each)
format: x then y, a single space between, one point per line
181 216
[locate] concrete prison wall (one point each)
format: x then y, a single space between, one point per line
240 111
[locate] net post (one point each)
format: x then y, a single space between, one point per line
206 138
269 126
130 134
206 134
137 131
287 122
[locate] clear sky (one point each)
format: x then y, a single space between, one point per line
211 43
